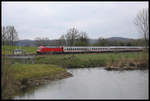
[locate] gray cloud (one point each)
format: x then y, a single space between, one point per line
49 19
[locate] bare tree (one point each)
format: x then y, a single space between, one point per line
142 23
82 39
9 35
71 36
83 36
74 38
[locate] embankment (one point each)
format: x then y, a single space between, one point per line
112 61
18 77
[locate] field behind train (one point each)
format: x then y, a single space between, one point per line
28 50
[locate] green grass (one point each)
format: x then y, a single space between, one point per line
91 60
28 50
17 75
28 71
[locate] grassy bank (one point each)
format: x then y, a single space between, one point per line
18 77
133 60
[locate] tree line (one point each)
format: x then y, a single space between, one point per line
107 42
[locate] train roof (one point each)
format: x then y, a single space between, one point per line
91 47
103 47
49 46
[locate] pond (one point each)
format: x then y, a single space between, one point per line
95 83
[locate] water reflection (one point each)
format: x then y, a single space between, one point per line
95 83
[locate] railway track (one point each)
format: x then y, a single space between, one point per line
34 54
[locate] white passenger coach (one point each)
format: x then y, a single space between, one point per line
76 49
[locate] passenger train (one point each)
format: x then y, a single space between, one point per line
82 49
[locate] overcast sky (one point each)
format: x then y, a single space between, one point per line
51 19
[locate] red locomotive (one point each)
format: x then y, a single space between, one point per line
49 49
